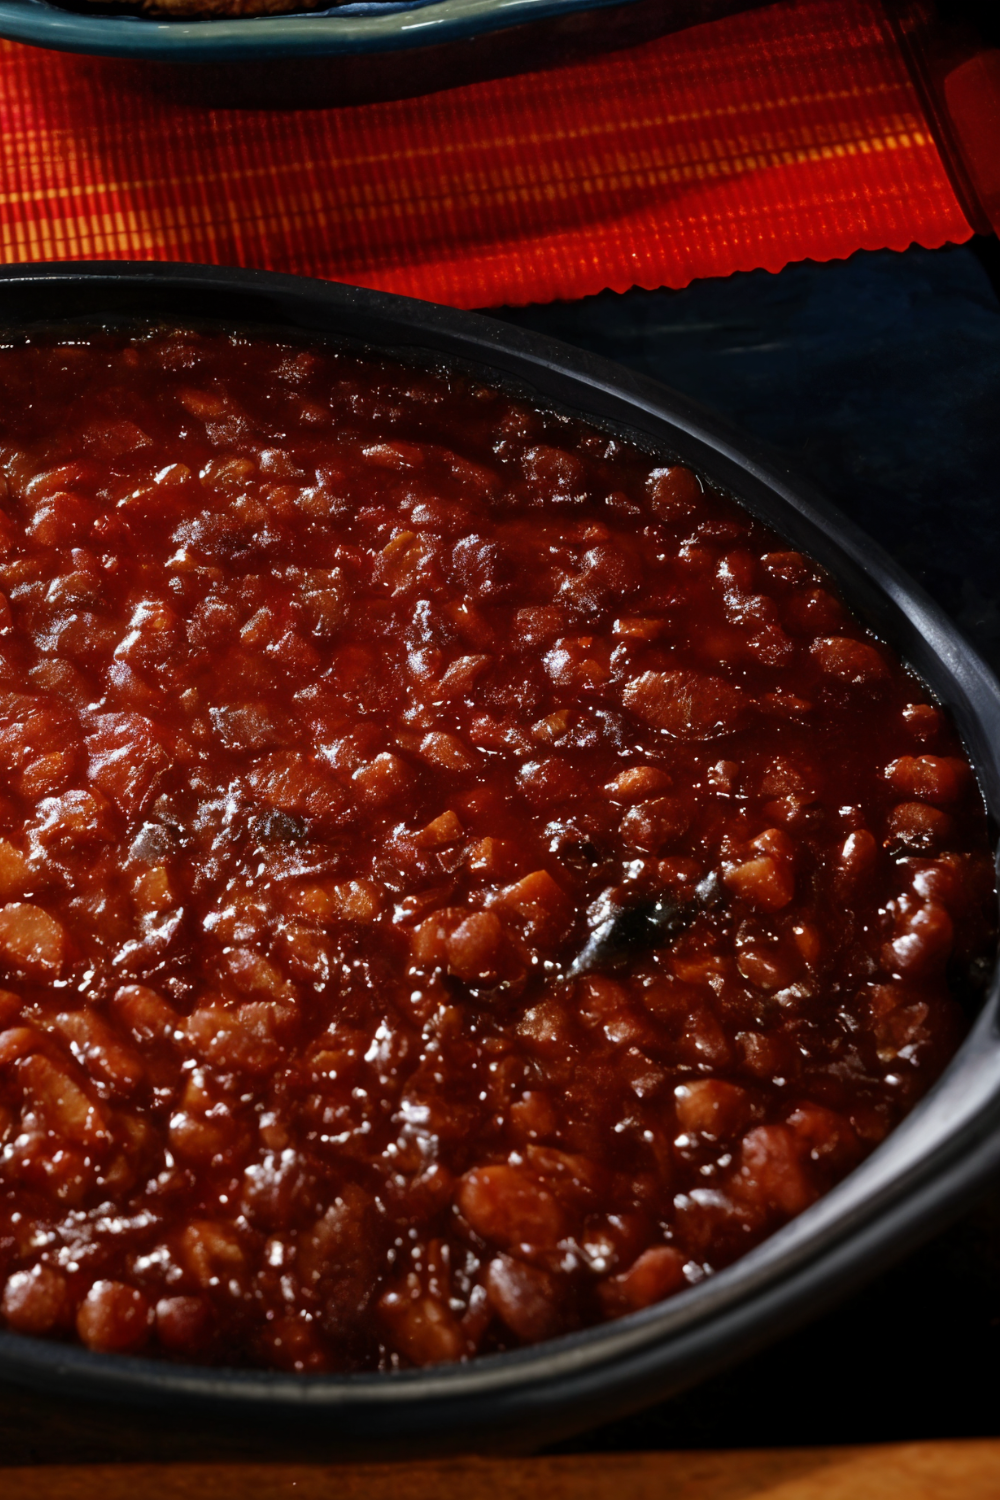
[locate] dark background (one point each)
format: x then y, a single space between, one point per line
880 376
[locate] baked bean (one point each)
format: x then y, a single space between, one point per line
36 1301
638 784
184 1325
508 1206
687 705
711 1107
849 659
525 1297
657 1273
931 778
32 939
654 825
918 828
114 1318
674 493
421 1327
475 948
771 1170
923 721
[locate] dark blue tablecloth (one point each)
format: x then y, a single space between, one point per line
881 376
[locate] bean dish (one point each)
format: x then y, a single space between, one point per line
462 878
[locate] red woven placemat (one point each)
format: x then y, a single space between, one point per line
776 135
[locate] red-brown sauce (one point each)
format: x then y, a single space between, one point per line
341 703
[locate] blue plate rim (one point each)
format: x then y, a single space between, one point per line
354 29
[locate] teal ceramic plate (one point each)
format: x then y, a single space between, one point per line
354 53
372 26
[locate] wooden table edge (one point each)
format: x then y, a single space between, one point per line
939 1470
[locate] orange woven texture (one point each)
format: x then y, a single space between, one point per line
773 136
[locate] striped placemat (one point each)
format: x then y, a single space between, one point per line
782 133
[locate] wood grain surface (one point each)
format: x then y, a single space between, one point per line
895 1471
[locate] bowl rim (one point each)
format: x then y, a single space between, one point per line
925 1170
365 27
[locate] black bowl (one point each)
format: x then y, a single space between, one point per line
924 1172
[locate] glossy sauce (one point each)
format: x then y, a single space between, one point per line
341 703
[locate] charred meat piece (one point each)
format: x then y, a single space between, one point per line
620 927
